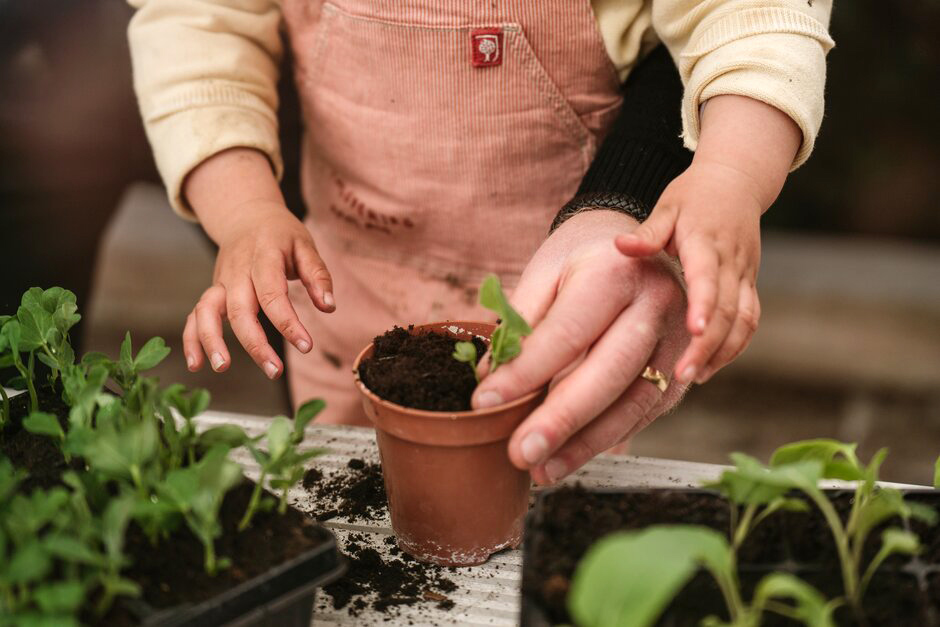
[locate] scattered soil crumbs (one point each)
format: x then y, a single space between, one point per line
373 581
383 584
358 494
420 371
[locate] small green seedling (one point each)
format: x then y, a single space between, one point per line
42 423
936 474
871 506
467 353
628 578
506 340
283 463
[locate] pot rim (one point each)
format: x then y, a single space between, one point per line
439 415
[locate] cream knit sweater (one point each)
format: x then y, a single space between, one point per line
205 72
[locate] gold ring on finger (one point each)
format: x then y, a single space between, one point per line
656 377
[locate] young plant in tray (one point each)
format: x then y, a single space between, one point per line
506 340
283 462
872 505
630 577
142 458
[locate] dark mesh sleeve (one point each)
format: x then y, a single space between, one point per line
643 151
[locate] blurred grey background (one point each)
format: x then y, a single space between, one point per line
849 344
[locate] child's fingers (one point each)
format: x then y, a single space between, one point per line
652 236
702 347
741 332
270 285
242 311
700 266
209 312
191 347
316 278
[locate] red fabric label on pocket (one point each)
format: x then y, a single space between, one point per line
486 45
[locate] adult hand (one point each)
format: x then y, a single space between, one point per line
599 319
261 247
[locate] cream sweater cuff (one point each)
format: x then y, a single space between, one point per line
775 56
190 136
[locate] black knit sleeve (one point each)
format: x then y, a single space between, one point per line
643 151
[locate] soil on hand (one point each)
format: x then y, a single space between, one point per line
355 493
38 455
172 573
419 371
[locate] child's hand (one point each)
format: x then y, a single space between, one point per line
261 247
711 219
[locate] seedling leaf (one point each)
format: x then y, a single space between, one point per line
151 354
41 423
628 578
505 342
838 458
809 606
305 414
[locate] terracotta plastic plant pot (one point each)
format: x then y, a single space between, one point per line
453 495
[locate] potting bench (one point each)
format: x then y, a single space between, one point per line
487 594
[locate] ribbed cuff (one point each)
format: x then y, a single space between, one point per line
635 168
643 152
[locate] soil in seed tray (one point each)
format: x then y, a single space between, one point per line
419 371
357 492
38 455
573 519
172 573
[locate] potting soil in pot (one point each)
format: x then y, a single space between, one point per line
419 371
904 592
382 583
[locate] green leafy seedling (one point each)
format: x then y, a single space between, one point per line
871 506
282 462
628 578
936 474
506 340
467 353
197 492
42 423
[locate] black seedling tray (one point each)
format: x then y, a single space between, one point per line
281 597
564 523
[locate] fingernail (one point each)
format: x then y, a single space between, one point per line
489 398
687 375
303 346
217 361
534 447
190 362
270 369
328 299
555 469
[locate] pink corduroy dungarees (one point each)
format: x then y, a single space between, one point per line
442 136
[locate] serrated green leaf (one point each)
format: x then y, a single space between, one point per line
752 483
151 354
838 458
